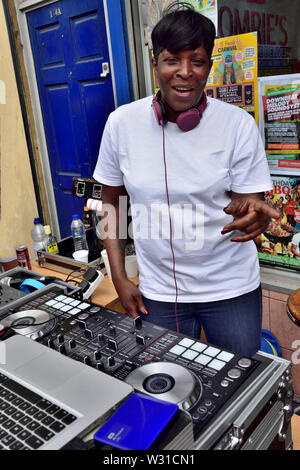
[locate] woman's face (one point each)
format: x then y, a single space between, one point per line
182 78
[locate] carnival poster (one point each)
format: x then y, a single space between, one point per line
233 77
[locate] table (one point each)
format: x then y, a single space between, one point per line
105 294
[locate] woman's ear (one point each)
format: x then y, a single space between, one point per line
154 65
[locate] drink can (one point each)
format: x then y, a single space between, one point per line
23 257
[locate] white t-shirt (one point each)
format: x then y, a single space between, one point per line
223 153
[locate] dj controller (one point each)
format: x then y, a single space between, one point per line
199 377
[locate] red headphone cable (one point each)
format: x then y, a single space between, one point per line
171 228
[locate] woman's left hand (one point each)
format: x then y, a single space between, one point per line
251 216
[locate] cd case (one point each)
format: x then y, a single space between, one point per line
137 423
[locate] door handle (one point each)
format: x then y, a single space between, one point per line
105 70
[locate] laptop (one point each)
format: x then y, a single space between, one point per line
47 399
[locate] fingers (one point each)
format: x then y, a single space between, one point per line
252 217
240 207
247 224
135 305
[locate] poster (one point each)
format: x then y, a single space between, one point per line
281 114
233 77
280 243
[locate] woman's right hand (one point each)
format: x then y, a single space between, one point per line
130 298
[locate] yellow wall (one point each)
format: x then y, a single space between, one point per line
18 203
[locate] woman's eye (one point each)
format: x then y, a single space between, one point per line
198 63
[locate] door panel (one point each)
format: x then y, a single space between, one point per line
69 46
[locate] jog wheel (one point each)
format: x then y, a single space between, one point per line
167 381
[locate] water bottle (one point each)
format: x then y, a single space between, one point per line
78 233
38 236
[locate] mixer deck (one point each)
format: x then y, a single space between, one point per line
197 376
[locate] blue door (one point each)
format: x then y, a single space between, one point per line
70 50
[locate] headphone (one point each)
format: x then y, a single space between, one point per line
186 121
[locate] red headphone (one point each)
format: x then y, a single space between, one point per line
186 121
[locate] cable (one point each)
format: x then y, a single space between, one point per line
74 271
171 227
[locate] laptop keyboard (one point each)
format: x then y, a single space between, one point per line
27 420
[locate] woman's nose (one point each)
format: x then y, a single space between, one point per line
185 69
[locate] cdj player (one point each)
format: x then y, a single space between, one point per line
214 386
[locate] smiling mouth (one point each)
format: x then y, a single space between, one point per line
183 90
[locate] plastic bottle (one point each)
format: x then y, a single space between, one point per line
51 245
78 233
38 236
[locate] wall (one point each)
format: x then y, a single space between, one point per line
276 320
18 204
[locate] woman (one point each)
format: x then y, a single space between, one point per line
195 172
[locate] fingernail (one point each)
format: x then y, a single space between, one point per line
224 231
233 239
145 311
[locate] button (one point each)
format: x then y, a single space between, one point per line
74 311
225 356
224 383
60 298
177 350
212 351
202 410
82 316
68 300
189 354
202 359
208 403
234 373
245 362
58 305
186 342
50 303
199 347
83 306
95 309
66 308
216 364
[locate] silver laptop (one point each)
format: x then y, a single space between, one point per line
46 399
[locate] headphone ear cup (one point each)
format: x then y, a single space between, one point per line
188 120
159 111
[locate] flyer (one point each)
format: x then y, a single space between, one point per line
281 108
280 243
233 77
280 114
